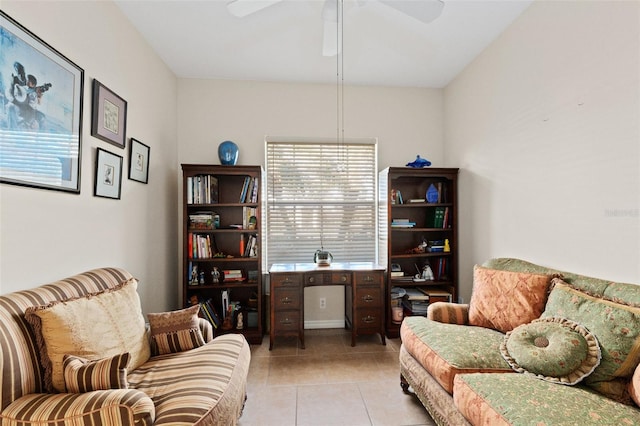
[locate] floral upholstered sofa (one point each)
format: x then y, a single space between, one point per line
534 346
78 352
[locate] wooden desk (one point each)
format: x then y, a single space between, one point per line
364 284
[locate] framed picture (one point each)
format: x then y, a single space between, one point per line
108 175
40 112
109 119
138 161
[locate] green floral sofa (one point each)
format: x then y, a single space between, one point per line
535 346
78 352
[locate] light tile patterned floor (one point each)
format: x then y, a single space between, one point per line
328 383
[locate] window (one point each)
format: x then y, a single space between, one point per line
321 195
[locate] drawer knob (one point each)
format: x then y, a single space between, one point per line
312 279
368 319
285 300
343 278
286 321
368 278
368 298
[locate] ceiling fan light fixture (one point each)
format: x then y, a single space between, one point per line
242 8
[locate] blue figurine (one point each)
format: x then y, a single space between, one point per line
419 163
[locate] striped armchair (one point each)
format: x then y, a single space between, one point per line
202 386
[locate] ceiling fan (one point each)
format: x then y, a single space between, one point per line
424 11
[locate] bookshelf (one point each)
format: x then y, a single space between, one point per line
418 226
221 260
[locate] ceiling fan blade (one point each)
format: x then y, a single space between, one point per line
423 10
242 8
331 44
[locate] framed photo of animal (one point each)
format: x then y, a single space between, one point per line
41 95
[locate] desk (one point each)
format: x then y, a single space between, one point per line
364 297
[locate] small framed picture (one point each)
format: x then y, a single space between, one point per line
108 175
109 119
138 161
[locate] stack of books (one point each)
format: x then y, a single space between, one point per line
416 301
201 220
233 275
402 223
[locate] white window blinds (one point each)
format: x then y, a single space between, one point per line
321 194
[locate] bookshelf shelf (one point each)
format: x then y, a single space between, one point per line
221 214
413 234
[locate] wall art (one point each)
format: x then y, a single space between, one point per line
138 161
108 179
40 112
109 119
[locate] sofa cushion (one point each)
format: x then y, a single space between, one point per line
511 399
445 350
82 375
204 386
617 328
553 349
503 300
176 331
98 325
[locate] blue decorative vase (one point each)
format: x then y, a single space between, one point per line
228 153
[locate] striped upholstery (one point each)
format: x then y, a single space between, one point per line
100 408
19 365
449 313
204 386
82 375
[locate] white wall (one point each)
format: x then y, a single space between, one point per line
544 125
48 235
406 121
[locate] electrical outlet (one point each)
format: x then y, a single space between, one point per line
323 303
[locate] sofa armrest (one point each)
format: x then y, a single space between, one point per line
449 313
207 329
112 407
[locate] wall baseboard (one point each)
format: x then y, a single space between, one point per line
309 325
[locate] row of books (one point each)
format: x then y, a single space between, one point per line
249 248
249 193
417 299
208 312
249 218
441 218
201 246
202 189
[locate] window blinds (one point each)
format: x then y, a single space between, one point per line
321 194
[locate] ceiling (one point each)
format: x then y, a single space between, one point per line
283 42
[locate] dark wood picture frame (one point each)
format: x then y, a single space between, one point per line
108 176
139 161
41 134
109 115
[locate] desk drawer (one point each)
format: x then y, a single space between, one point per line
368 319
369 278
285 280
369 297
286 298
287 321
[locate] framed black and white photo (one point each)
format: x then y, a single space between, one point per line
108 174
109 118
138 161
41 119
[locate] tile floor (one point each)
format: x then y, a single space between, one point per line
328 383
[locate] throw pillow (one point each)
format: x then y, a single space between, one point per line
553 349
503 300
98 325
634 386
617 327
176 331
82 375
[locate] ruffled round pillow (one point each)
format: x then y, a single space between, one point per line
553 349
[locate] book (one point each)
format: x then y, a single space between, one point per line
245 188
415 294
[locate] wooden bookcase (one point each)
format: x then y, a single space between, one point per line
407 221
219 233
